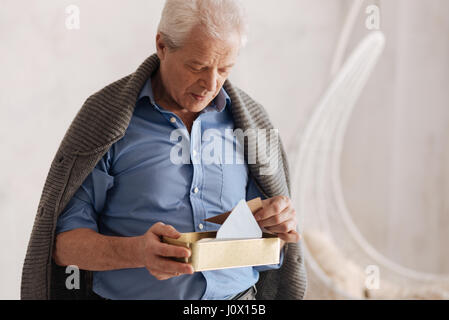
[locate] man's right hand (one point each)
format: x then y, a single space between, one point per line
156 254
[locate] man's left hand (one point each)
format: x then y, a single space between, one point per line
278 216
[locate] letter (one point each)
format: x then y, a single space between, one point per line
72 281
186 310
272 158
214 147
373 20
373 277
214 310
261 309
227 311
73 20
239 136
182 146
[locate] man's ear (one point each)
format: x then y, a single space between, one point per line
161 47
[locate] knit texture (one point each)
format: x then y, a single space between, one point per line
102 121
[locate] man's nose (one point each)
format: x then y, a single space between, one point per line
209 81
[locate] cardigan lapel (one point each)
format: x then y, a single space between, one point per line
102 121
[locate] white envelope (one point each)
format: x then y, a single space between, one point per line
240 224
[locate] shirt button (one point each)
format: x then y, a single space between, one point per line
196 190
172 119
201 226
194 153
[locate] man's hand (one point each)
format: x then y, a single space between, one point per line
156 254
278 216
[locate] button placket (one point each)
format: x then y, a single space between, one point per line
195 144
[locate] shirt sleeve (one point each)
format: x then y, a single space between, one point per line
252 192
88 202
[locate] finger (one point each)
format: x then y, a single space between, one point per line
288 213
290 237
170 266
284 227
161 229
272 207
169 250
163 275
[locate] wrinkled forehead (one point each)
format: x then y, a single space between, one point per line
202 49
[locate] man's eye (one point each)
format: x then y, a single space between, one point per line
196 69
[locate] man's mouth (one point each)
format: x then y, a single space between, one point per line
199 98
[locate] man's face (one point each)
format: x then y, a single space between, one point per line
194 74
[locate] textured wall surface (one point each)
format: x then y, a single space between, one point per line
395 169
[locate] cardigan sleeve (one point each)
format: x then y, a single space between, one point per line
88 202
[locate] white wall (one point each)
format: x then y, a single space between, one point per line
396 160
48 72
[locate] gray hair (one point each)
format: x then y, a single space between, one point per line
218 17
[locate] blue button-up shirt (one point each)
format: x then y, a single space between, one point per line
137 184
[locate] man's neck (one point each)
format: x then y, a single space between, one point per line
163 99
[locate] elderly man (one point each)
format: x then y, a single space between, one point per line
121 190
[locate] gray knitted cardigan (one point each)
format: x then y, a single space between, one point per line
102 121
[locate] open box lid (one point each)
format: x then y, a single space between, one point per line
254 205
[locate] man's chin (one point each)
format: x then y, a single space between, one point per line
196 107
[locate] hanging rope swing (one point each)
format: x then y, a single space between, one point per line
340 263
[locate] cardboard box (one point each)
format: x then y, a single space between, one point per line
223 254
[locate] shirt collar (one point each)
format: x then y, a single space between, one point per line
218 104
